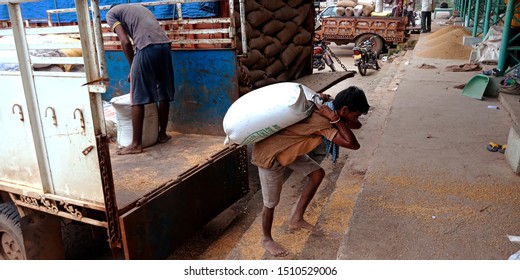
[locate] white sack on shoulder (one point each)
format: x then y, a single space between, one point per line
264 111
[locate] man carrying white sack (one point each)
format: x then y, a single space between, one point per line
331 123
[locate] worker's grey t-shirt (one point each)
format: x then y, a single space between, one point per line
139 23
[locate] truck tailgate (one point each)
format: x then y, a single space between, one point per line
173 189
138 175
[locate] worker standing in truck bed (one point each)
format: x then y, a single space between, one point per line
151 67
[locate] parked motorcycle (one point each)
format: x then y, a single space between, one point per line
364 57
322 55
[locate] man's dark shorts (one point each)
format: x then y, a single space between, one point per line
152 75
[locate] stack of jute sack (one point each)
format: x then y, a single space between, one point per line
354 8
279 38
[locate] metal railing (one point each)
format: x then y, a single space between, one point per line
223 33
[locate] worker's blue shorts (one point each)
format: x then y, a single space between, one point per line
272 179
152 75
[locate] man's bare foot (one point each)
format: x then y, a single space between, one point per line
129 151
163 139
302 224
274 248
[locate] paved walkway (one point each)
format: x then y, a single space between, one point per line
432 190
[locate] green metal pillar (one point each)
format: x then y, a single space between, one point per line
496 16
476 19
505 37
463 9
467 15
487 13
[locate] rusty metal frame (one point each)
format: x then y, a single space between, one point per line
112 215
159 222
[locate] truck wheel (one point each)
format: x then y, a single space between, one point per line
80 243
11 239
362 67
378 42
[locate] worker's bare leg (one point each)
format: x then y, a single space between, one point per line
164 110
273 247
296 220
136 146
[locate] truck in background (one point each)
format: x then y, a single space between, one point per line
59 170
357 29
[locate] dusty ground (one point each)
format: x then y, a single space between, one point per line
235 233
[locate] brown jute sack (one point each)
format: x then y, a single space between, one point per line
303 14
283 77
258 17
349 11
256 75
265 82
249 5
272 27
275 68
251 31
290 53
261 63
260 42
346 3
340 11
252 58
285 13
303 37
274 48
243 90
294 3
367 9
295 66
272 5
288 32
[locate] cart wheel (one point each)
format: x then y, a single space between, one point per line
378 42
11 239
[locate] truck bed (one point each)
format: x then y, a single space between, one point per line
136 175
344 30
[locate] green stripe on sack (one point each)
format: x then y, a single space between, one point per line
260 134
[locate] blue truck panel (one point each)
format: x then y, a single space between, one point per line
206 84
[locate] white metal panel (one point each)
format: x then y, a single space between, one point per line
44 60
74 174
44 46
18 162
44 30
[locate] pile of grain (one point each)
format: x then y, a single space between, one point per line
445 30
447 50
456 35
447 44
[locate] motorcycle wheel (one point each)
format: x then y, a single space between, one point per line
332 67
362 67
315 64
